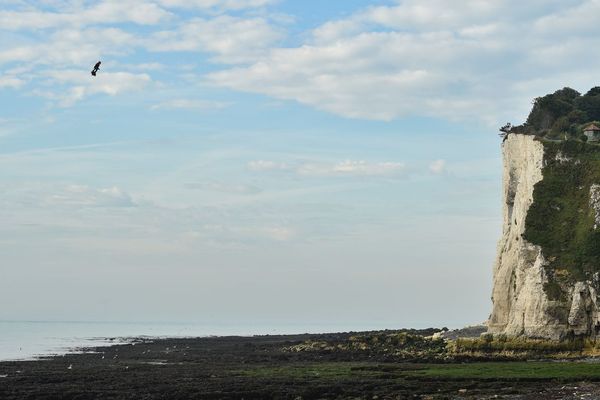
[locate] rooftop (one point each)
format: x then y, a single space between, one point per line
591 127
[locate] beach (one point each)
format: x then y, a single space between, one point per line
271 367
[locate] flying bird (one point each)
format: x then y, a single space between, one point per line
96 68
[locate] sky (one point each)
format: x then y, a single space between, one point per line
267 161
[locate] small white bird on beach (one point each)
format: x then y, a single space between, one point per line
70 366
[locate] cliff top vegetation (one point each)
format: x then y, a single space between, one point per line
560 115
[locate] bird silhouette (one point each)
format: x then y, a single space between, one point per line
96 68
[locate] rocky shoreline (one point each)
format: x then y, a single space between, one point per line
350 366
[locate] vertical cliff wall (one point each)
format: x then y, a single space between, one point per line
545 284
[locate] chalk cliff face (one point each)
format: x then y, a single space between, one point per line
521 304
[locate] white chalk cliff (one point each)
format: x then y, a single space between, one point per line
520 304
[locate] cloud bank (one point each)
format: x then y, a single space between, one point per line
459 61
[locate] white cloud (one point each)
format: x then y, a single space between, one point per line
103 12
458 60
573 21
245 233
468 60
432 14
141 67
48 64
438 167
343 168
67 47
189 104
278 233
230 39
85 196
217 4
225 187
151 66
82 85
352 168
7 81
264 165
373 75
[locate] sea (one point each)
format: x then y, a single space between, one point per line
29 340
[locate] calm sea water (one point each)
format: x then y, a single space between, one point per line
29 340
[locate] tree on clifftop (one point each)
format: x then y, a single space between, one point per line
561 114
546 110
590 104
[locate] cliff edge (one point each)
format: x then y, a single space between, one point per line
546 282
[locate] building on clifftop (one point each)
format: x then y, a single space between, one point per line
592 132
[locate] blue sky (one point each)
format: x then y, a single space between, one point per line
266 161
